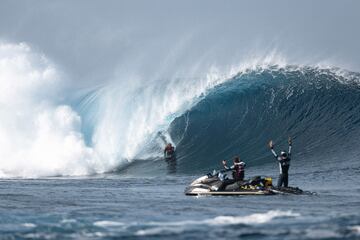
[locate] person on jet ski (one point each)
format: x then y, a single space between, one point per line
238 169
238 173
284 163
169 151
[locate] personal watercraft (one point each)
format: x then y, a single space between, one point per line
211 184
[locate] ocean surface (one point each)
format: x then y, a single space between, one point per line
112 206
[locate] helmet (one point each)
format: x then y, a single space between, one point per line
283 154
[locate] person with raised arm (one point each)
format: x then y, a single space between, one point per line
238 173
284 163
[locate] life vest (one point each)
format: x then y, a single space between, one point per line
239 170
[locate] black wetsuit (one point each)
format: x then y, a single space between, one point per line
284 165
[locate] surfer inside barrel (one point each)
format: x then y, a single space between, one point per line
169 151
170 158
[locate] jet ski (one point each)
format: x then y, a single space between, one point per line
212 182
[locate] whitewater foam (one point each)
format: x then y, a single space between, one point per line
178 227
108 224
160 231
29 225
38 135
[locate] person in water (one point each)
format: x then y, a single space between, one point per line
238 173
169 151
284 163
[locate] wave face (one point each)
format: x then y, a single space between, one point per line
318 107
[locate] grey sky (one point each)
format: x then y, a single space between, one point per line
90 39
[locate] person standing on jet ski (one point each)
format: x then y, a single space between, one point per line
284 163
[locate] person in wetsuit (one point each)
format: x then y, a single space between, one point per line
284 163
238 173
169 151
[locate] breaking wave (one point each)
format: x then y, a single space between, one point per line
43 133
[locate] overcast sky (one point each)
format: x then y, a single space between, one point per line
90 39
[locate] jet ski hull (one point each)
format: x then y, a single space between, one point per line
229 193
211 183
